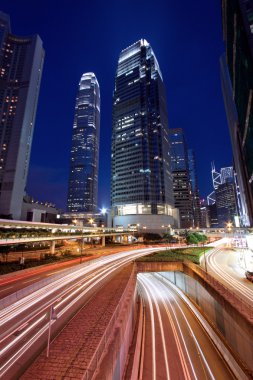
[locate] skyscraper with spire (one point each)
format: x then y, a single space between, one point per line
141 179
83 178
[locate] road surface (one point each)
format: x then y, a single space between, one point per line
24 324
175 344
224 264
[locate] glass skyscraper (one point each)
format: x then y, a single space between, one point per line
238 37
21 63
181 177
83 179
194 188
141 180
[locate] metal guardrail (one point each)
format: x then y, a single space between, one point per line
103 344
233 298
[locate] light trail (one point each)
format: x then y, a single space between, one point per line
64 294
149 287
30 301
225 277
164 296
152 333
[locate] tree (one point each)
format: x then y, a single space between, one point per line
4 250
191 239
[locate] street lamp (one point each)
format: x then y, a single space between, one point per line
205 256
91 221
229 226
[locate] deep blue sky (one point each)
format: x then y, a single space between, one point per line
81 36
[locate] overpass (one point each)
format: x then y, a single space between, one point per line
15 232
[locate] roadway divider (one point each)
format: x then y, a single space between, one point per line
120 325
137 367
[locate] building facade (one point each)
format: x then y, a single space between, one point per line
226 203
238 37
194 188
181 177
243 189
141 179
21 64
223 201
84 160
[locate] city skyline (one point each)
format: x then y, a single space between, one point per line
185 92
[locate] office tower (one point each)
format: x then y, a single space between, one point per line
223 201
194 188
21 63
237 84
181 177
213 216
83 178
226 203
204 214
141 180
243 189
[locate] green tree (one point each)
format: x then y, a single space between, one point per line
191 239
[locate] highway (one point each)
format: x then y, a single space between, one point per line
175 345
224 265
24 324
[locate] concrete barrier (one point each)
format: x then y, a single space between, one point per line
137 366
108 361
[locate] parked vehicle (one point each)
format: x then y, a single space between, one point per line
249 275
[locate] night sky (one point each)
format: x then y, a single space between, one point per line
81 36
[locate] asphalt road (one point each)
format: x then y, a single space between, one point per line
175 344
24 324
224 264
18 280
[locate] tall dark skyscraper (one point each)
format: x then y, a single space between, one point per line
226 203
194 188
181 177
83 179
224 200
237 85
21 63
141 180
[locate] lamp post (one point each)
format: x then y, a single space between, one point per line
205 256
229 226
91 221
81 248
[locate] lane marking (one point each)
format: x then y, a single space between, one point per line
33 279
6 288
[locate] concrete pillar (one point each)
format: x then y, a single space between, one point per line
114 238
52 247
103 241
